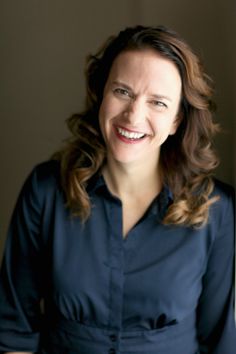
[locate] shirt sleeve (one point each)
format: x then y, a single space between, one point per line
216 323
21 274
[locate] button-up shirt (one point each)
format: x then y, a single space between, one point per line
164 289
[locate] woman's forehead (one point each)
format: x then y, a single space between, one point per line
145 68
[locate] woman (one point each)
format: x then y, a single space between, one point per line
125 234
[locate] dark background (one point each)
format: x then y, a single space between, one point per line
43 45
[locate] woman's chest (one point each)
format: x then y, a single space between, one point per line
94 272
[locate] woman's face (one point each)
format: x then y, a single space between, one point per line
140 106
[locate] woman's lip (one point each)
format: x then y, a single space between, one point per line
129 130
127 140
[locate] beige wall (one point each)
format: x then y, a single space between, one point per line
43 47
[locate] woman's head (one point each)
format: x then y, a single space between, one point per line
187 159
196 105
140 107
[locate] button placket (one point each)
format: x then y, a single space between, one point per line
113 337
114 342
116 263
112 351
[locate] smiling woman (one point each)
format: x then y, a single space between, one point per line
125 234
187 159
140 107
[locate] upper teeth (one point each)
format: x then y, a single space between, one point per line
130 135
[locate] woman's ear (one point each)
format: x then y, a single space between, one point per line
176 123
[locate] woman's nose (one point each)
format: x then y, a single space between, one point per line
135 112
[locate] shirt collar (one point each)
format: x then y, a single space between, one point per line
161 203
96 182
158 207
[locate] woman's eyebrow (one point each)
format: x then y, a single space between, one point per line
161 97
154 95
120 83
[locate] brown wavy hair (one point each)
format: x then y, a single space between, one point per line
187 158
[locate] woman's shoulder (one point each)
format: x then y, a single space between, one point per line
44 179
47 169
223 208
224 190
45 173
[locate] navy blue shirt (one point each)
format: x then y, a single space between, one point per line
163 289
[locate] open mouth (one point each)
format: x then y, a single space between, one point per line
130 135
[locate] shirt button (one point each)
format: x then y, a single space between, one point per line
112 351
113 337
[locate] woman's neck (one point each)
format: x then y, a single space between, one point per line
125 181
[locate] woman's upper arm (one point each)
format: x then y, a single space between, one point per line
216 323
21 275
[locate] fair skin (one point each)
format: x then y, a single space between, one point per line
139 111
141 96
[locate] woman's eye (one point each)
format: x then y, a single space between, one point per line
160 104
122 91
